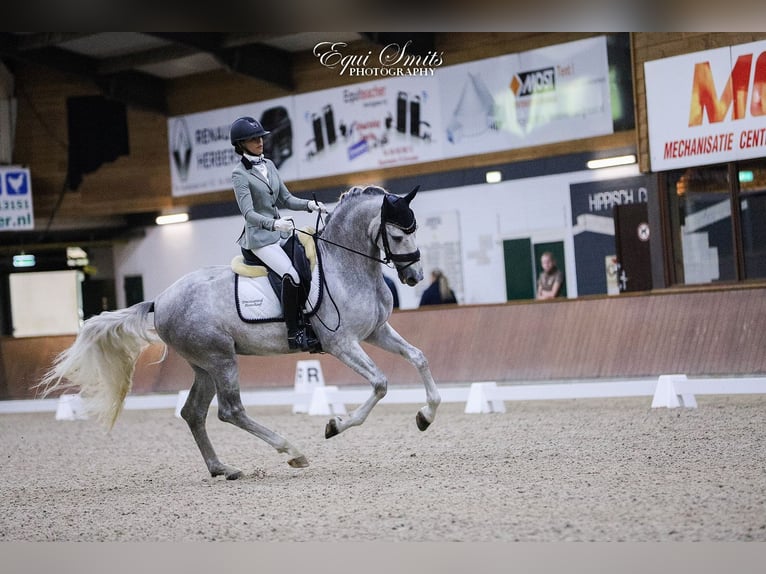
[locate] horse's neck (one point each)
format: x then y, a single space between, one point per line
356 232
358 229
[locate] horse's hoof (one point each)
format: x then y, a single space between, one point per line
229 472
298 462
331 429
421 421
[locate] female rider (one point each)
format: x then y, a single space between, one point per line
260 193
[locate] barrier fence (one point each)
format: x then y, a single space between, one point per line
668 391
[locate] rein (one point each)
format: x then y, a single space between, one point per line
409 258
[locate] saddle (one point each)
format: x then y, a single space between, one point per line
301 249
250 265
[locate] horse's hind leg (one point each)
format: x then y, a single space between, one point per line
194 412
231 410
388 339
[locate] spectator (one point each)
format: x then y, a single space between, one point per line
394 291
550 280
438 292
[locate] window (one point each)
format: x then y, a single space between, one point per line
699 201
707 243
752 214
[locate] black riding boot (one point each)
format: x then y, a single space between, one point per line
297 338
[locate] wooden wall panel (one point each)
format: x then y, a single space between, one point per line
704 332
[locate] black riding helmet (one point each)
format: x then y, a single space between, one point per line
246 128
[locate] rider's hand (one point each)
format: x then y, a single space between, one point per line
317 206
283 225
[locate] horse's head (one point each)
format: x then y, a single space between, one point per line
397 230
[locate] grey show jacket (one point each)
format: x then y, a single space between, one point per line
259 201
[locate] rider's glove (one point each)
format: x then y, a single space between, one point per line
317 206
283 225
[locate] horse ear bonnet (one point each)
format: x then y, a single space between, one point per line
396 210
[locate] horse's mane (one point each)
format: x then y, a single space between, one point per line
360 190
356 193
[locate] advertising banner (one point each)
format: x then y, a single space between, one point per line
16 210
367 126
201 154
553 94
707 107
413 109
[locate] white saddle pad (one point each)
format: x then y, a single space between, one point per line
257 302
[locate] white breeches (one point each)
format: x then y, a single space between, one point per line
274 256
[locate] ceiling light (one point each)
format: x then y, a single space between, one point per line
24 260
494 177
611 161
172 218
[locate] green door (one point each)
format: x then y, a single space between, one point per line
519 273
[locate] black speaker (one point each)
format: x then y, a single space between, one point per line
98 133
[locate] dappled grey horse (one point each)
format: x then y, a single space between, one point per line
197 317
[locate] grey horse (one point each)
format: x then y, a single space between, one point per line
196 316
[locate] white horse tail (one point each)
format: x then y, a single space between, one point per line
102 359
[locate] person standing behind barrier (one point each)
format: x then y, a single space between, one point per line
260 193
394 291
550 280
439 291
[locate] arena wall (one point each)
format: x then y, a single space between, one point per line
708 331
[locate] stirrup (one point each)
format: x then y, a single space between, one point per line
298 340
302 340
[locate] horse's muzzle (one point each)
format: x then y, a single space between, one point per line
410 275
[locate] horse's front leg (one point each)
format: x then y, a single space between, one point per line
389 340
354 357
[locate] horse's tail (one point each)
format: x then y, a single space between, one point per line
102 359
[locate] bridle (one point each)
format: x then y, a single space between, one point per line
390 257
409 258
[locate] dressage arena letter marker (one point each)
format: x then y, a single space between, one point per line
308 376
324 402
70 408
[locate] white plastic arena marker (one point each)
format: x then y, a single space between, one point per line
323 402
308 377
670 393
480 399
182 396
70 408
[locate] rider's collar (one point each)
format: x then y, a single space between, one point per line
250 160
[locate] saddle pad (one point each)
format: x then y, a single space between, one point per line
257 302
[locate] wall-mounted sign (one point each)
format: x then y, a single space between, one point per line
707 107
16 211
552 94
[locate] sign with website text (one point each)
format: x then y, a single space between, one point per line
16 212
410 109
707 107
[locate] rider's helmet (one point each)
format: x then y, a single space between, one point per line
246 128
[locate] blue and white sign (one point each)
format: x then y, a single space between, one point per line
16 211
